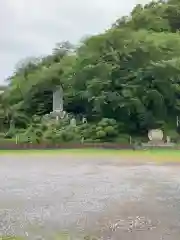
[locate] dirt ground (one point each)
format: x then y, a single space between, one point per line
108 196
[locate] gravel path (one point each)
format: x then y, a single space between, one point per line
45 196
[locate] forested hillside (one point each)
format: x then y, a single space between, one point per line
125 81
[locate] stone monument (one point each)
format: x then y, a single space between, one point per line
58 99
84 120
156 139
156 135
168 139
58 112
73 122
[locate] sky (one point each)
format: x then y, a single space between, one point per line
32 28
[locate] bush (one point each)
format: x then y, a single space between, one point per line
107 122
38 133
174 136
65 136
110 131
2 135
101 134
123 138
105 130
11 133
49 136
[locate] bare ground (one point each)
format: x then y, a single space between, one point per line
107 196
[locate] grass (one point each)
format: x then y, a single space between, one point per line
157 155
96 151
60 236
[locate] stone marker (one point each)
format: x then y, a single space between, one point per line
84 120
155 135
58 99
73 122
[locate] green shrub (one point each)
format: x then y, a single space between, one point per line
110 131
65 136
123 139
38 133
101 134
107 122
49 136
174 136
2 135
11 133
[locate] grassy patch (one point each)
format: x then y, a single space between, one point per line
157 155
64 151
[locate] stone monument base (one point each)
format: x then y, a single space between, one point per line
160 144
156 137
57 114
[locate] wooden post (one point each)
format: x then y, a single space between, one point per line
130 140
17 139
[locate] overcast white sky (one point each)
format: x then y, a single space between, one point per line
32 27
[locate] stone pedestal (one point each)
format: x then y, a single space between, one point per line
57 114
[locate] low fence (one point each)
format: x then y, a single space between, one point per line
31 146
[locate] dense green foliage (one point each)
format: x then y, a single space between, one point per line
125 81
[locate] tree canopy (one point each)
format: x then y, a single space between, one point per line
129 74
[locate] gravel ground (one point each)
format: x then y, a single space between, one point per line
43 196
